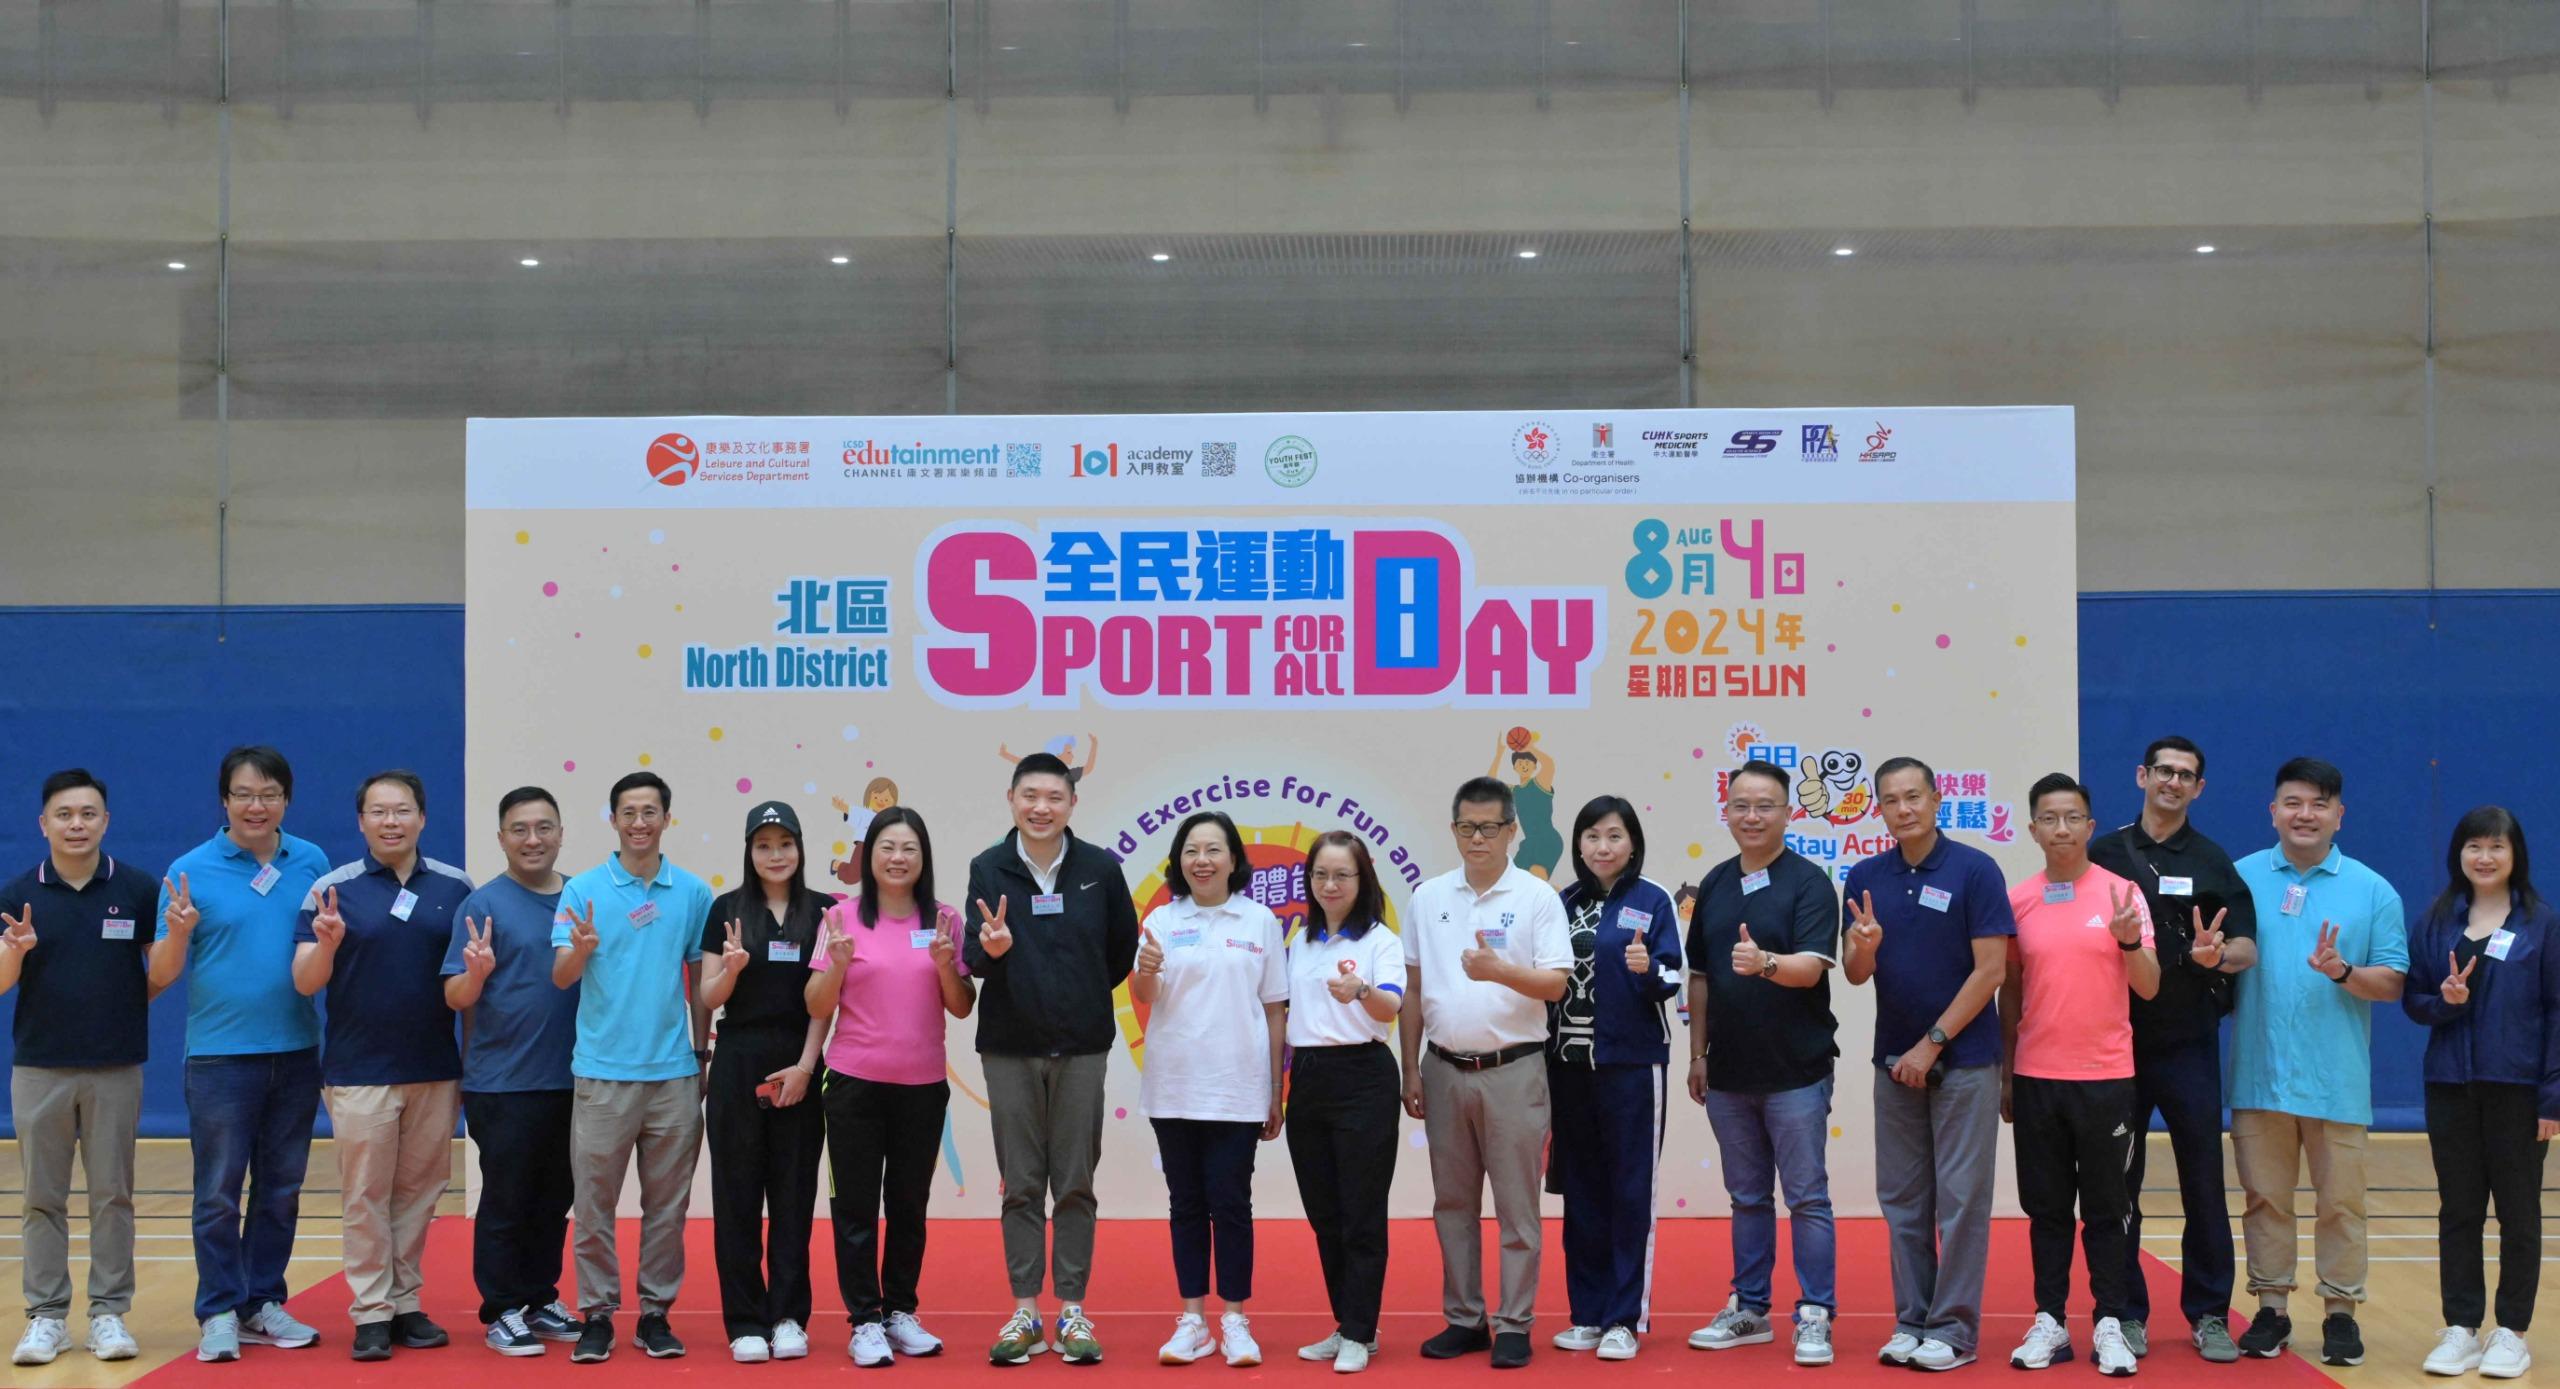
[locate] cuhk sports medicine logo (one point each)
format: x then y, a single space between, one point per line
673 459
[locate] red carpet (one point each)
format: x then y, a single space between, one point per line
1133 1305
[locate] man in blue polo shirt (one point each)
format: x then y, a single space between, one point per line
253 1050
625 932
518 1031
1929 920
82 1032
2334 943
373 934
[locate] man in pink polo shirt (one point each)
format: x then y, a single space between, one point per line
2084 936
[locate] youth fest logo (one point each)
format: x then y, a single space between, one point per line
1208 613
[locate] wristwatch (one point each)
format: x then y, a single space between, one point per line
1768 964
1937 1036
702 1054
2128 947
1364 992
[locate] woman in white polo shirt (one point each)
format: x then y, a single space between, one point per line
1213 970
1346 982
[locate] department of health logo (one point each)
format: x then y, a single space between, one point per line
673 458
1535 444
1290 461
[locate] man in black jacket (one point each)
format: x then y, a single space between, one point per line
1051 932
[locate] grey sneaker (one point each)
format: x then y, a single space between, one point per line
2137 1338
1813 1336
219 1339
2212 1340
272 1325
1736 1325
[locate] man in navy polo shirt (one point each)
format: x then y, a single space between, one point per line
82 1032
1929 920
253 1050
373 934
517 1031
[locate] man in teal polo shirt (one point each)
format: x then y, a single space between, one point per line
2332 942
253 1050
625 932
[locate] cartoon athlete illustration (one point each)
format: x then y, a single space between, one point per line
1831 787
1533 800
881 794
1063 747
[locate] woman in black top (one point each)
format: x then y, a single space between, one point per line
764 1138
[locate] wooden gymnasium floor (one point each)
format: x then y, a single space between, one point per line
2400 1320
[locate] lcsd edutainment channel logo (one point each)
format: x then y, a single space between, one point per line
673 459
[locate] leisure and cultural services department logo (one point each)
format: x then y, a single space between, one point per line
673 458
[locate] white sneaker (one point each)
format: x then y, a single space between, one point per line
1935 1354
1352 1358
2048 1344
272 1325
1235 1341
870 1347
1736 1325
1813 1336
108 1340
751 1350
1900 1349
2112 1351
1190 1341
908 1337
1577 1338
44 1340
789 1341
2506 1356
2457 1352
1327 1349
1618 1344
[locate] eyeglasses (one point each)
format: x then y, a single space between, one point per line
1478 829
542 830
269 799
2069 819
1753 810
641 815
391 815
2186 774
1330 878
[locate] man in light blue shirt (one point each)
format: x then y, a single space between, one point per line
2333 943
625 932
253 1050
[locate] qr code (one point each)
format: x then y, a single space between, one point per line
1218 460
1023 460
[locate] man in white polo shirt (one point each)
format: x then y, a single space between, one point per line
1487 951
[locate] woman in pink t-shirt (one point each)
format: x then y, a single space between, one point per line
888 970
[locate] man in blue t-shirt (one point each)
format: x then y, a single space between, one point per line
253 1050
82 1032
372 933
1929 921
625 932
516 1091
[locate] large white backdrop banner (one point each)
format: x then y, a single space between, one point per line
1313 622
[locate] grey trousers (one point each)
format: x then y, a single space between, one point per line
1937 1164
662 1119
1486 1125
97 1108
1046 1112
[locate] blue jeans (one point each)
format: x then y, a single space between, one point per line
1766 1140
248 1116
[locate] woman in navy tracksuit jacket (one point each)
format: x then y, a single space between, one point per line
2485 980
1608 1042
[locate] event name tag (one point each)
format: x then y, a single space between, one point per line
404 904
782 952
1048 904
1936 899
920 939
266 880
2177 887
2058 892
1182 939
1634 920
1753 882
2501 941
121 928
1496 937
643 914
2295 896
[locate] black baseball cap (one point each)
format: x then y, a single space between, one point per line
773 813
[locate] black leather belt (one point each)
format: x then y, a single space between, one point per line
1486 1061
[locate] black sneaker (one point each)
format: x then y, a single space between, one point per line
2340 1341
2268 1331
413 1330
1454 1341
373 1341
653 1336
595 1341
552 1322
509 1336
1511 1350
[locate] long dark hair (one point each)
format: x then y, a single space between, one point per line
1597 809
2487 822
866 906
803 905
1368 902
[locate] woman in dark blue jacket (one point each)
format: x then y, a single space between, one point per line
1608 1042
2484 977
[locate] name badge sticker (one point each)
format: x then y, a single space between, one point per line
782 952
1496 937
2177 887
404 904
1634 920
2501 941
266 880
2295 896
1753 882
1182 938
121 928
1936 899
2058 892
920 939
642 915
1048 904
